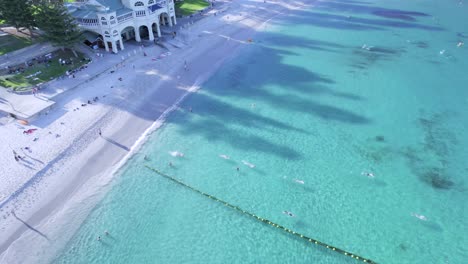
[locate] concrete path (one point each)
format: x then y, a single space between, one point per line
27 106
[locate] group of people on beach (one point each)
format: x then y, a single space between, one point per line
19 157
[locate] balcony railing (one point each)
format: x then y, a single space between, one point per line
125 17
140 13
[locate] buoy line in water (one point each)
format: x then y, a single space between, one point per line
307 239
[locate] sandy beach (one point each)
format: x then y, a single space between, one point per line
46 196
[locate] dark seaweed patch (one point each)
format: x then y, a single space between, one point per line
436 178
366 56
437 146
380 138
403 247
436 137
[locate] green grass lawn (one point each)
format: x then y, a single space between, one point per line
19 82
9 43
188 7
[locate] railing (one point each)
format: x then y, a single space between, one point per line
140 13
125 17
88 22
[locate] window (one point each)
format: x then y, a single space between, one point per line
150 2
139 4
103 18
112 17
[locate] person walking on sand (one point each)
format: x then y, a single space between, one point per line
100 133
16 155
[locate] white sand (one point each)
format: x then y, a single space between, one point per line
63 177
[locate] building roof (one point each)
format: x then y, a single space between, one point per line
113 5
82 11
90 11
122 11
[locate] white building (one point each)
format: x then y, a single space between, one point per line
115 21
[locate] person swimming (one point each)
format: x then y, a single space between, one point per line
176 153
289 214
368 174
248 164
299 181
420 217
224 156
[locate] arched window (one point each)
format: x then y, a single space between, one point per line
106 32
112 17
150 2
139 3
115 31
103 18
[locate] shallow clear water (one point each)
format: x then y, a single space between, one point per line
326 94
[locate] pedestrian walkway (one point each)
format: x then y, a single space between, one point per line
27 106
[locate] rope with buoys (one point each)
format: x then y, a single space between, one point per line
308 239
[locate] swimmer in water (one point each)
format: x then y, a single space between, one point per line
460 44
106 233
98 238
248 164
224 156
288 213
420 217
176 154
299 181
368 174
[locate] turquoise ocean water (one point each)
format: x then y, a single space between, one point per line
324 95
